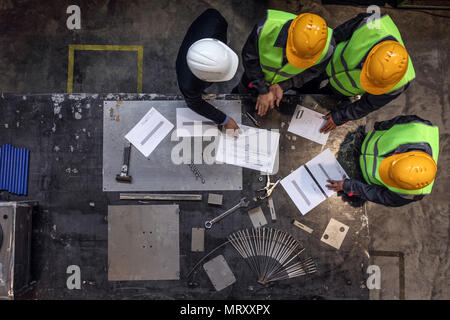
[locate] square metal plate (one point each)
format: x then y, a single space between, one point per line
143 242
335 233
219 273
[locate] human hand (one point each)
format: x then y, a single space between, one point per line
277 92
233 128
329 125
264 102
336 185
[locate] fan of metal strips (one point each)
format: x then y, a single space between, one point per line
272 254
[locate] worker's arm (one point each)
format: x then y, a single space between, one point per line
203 108
309 74
344 31
362 107
252 66
375 193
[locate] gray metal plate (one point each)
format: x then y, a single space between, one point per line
143 242
219 273
158 172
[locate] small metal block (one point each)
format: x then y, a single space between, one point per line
257 217
215 199
198 240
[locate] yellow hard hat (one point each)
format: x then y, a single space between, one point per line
307 37
409 171
385 66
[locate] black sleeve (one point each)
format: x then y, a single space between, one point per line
344 31
375 193
299 80
205 109
250 61
362 107
311 73
387 124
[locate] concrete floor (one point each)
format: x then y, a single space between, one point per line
33 59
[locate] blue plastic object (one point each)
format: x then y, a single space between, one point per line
14 169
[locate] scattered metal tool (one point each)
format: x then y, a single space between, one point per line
158 196
241 204
301 226
196 172
272 254
268 189
253 119
123 176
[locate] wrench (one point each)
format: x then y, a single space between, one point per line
242 203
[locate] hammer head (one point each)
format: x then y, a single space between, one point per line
124 179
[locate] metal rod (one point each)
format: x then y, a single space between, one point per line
160 196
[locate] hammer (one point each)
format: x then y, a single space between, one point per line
123 176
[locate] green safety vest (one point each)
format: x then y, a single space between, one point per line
271 57
378 144
344 70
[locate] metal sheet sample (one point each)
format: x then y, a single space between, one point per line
272 209
335 233
257 217
198 240
215 199
159 172
302 226
143 242
219 273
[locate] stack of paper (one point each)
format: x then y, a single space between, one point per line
307 123
254 149
149 132
306 185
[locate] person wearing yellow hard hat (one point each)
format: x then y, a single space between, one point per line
370 67
398 161
284 51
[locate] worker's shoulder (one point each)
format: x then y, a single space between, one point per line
212 14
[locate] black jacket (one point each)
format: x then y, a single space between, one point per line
381 194
253 72
368 102
210 24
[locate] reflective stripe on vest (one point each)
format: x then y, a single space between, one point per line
344 68
271 57
378 144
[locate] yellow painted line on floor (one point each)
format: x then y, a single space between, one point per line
106 47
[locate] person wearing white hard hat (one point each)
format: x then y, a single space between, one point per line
205 58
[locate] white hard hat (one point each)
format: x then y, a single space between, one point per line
212 60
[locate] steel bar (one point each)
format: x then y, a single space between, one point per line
160 196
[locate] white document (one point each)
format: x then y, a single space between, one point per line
307 123
254 149
303 190
149 132
191 124
324 167
301 187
